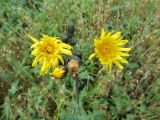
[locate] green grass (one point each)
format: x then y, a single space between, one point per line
130 95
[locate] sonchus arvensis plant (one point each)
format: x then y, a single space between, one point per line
109 49
48 52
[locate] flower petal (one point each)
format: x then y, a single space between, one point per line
34 62
61 59
33 39
121 42
122 60
67 52
45 36
66 46
35 51
108 34
102 34
118 64
116 35
125 49
96 41
92 55
42 71
55 62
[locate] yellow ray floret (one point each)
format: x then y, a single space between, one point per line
59 72
108 49
48 52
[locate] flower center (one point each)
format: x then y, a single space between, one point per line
49 48
107 49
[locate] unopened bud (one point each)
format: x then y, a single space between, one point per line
73 66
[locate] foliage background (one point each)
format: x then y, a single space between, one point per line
132 94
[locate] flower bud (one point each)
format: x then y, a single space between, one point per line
73 66
64 38
70 27
72 42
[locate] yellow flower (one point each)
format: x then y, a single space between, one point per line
58 72
108 49
48 52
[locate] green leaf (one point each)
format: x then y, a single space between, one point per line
6 109
13 88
